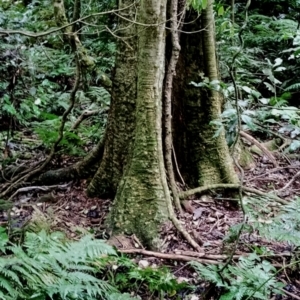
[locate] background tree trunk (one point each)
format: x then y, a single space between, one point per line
140 206
215 164
204 159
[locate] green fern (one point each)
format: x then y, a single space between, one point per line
100 94
250 276
284 227
48 265
293 87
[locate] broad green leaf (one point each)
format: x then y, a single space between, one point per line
228 113
278 62
279 69
247 89
221 10
246 119
204 4
32 91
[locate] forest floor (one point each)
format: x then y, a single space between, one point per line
209 220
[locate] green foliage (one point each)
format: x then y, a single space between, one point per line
284 227
37 75
125 275
3 239
48 265
197 5
251 276
264 76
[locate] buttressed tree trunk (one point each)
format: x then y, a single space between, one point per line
140 203
204 159
121 120
133 160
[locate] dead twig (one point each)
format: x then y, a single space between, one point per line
169 256
260 146
272 171
192 256
290 294
290 182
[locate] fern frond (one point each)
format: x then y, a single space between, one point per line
100 93
249 276
6 285
50 265
293 87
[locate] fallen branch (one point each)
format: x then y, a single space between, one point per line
192 256
185 194
43 188
84 115
169 256
260 146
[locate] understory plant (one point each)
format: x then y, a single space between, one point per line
250 277
48 266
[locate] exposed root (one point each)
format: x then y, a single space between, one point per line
43 188
184 233
83 169
185 194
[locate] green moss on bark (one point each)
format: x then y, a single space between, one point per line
121 120
140 204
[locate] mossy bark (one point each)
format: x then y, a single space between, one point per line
121 119
206 159
139 206
215 164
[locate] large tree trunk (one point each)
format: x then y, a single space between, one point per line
204 159
121 120
133 157
140 204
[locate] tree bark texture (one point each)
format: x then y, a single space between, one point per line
140 206
215 163
204 159
121 119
